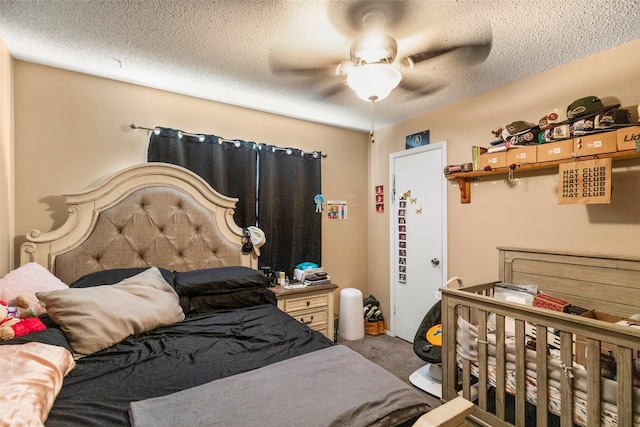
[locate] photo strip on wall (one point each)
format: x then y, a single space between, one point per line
379 198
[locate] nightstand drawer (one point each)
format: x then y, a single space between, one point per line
312 318
300 303
323 329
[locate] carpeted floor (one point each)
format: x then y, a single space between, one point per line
393 354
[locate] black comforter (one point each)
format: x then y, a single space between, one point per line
232 325
166 360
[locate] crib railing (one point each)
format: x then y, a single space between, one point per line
475 303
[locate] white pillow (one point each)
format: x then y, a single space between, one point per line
98 317
27 280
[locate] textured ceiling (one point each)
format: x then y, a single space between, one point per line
222 50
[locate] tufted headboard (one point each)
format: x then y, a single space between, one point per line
153 214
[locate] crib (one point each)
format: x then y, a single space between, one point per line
525 365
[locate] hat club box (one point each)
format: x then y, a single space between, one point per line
555 150
493 160
595 144
627 137
526 154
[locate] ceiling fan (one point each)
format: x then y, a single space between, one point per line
373 69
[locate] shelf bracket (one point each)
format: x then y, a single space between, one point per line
464 184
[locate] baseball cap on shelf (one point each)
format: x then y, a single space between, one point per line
518 127
544 136
527 137
561 132
550 119
613 117
582 127
586 107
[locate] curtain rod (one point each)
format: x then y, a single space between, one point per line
134 126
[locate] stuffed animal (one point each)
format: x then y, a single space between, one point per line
17 320
19 307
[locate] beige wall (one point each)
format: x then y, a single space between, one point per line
6 159
524 215
72 130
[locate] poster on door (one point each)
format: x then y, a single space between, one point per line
402 239
403 210
408 207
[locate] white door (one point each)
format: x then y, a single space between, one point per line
418 234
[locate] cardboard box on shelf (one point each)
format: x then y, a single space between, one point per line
627 137
494 160
595 144
526 154
555 151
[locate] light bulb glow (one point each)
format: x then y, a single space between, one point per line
373 82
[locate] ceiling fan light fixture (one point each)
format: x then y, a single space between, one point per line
374 47
373 82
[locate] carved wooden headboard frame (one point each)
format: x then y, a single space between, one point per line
153 214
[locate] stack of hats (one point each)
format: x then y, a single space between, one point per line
584 116
373 318
521 132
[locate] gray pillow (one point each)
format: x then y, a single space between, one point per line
98 317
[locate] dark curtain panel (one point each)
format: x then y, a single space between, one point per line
286 210
228 167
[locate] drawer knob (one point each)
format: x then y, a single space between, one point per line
307 323
308 303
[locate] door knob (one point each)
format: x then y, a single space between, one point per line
435 262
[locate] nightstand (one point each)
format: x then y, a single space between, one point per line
311 305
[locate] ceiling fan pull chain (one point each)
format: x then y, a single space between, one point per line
371 133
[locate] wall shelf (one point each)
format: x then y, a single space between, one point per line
464 178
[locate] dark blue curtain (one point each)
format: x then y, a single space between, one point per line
283 181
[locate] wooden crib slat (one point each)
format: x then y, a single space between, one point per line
465 313
625 375
483 355
449 364
501 368
541 375
521 383
566 380
593 383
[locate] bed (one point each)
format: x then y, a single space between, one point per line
168 322
527 365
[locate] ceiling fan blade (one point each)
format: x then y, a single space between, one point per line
471 53
420 88
332 89
303 71
331 68
325 80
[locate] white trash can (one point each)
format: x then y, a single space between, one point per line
351 314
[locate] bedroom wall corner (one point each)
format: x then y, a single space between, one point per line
7 199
